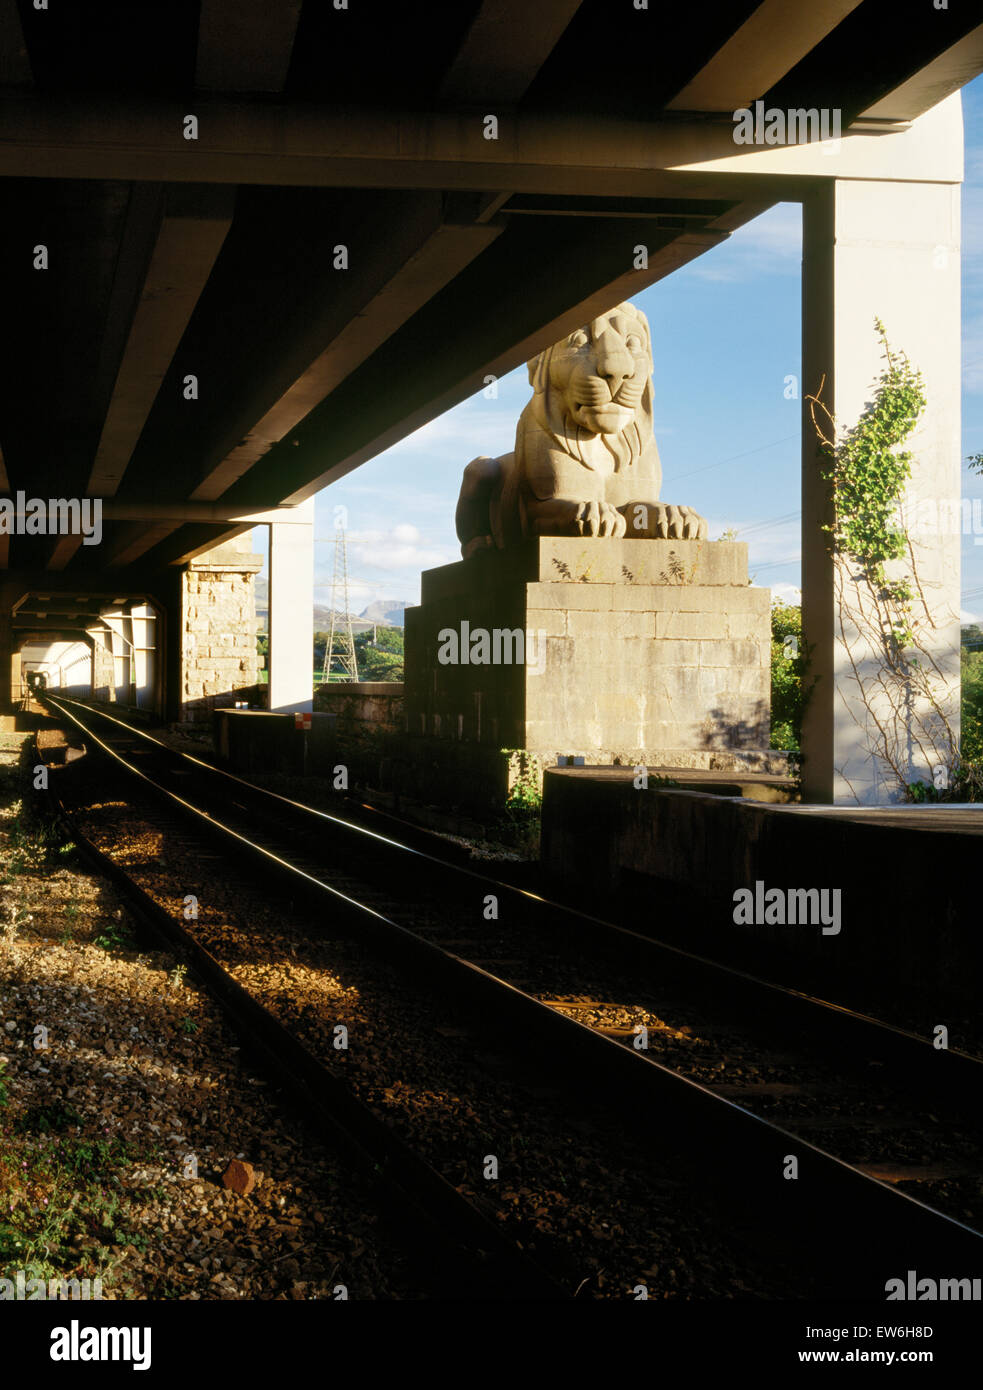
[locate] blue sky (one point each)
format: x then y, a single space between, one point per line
725 333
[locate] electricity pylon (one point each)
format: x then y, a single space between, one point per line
341 642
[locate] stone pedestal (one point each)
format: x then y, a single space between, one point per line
632 651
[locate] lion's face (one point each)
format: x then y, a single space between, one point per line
598 375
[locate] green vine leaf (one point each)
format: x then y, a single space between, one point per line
906 696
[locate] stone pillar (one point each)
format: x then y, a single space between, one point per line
219 661
292 612
102 663
887 250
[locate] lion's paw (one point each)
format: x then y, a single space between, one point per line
663 521
599 519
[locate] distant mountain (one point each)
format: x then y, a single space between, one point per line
322 620
383 613
386 610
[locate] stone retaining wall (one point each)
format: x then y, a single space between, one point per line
669 861
376 705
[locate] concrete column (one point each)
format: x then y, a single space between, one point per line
292 612
6 671
171 644
121 668
888 250
121 647
143 621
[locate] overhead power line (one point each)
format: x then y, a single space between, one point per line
733 457
775 564
771 521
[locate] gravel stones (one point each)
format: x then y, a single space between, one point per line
142 1075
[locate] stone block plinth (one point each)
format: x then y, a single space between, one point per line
597 648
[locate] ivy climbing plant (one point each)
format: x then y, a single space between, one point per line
867 473
885 622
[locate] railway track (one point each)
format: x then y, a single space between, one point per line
464 1256
661 1035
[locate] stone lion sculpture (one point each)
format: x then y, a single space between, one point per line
585 460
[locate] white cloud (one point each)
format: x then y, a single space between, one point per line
474 427
787 593
388 556
384 562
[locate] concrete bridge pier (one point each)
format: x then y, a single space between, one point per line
9 670
143 624
121 646
886 249
292 611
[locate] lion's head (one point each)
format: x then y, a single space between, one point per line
598 382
